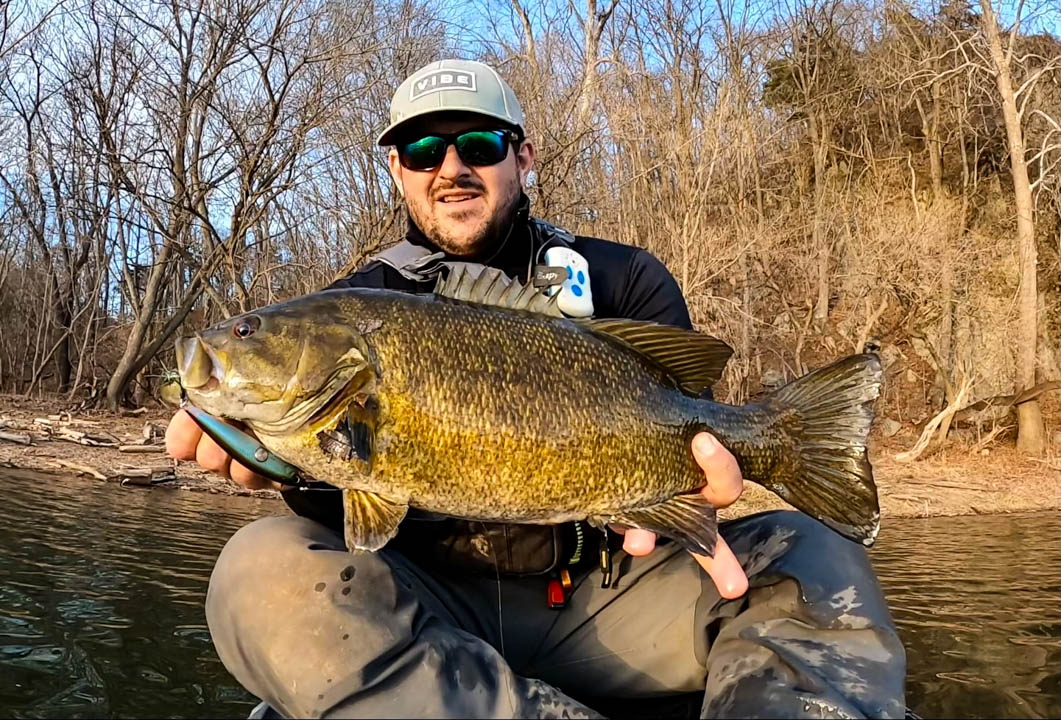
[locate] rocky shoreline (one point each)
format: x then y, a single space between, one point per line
127 450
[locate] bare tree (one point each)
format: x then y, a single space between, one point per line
222 140
814 77
816 173
1013 100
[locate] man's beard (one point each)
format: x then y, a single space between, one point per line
485 239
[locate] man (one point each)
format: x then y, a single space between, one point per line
453 619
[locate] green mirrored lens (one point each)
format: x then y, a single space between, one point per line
476 147
425 153
482 147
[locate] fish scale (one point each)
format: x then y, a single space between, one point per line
475 423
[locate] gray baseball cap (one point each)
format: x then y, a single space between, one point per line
453 85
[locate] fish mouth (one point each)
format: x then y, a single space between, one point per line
197 365
205 378
270 408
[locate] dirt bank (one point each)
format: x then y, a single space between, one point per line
958 480
56 439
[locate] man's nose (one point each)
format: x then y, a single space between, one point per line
452 166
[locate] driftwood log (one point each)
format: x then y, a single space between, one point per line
83 469
141 448
16 437
76 436
926 433
146 476
998 407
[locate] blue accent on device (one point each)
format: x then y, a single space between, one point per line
575 295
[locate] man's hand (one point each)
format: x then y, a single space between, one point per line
724 486
185 440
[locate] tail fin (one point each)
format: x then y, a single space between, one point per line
831 478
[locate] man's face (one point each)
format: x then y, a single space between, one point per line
463 209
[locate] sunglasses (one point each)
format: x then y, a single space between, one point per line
475 147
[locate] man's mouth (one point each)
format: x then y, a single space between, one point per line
457 197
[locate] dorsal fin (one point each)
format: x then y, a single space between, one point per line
695 361
493 287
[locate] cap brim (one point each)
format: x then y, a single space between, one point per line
388 135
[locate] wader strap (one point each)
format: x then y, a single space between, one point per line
414 262
549 235
419 264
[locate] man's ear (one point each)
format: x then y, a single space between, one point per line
525 161
395 166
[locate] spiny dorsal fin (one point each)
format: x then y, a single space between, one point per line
695 361
493 287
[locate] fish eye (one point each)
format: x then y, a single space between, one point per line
247 327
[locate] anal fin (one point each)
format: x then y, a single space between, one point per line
371 519
688 519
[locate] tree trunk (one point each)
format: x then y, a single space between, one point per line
63 354
820 138
935 146
946 331
131 360
1030 431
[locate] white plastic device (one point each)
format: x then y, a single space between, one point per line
576 296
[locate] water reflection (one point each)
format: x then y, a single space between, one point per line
977 603
101 595
102 589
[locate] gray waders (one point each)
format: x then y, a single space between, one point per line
315 631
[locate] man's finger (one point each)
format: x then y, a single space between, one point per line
724 481
639 542
212 456
250 479
182 436
725 571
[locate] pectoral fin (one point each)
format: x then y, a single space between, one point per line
371 519
361 427
688 519
354 436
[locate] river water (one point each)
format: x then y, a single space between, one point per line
101 604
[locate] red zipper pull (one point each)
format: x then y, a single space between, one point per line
556 595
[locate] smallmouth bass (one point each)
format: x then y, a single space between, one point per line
479 402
